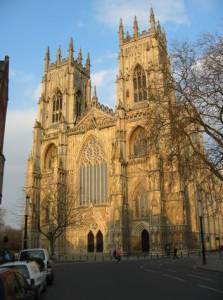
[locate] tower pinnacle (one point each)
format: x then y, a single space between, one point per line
58 56
95 98
121 32
47 59
88 62
80 58
71 51
136 28
152 21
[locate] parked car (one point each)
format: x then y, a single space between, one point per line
31 272
14 286
39 254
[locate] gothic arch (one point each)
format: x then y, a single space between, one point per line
87 138
93 173
50 157
57 106
78 104
139 82
140 227
99 241
138 142
140 203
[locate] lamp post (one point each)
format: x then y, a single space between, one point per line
200 213
25 241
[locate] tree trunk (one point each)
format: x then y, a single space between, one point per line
52 247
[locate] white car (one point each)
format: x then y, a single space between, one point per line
40 254
30 270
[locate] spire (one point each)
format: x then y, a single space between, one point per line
88 62
121 32
58 56
136 28
152 21
79 58
163 35
71 51
47 58
159 28
95 98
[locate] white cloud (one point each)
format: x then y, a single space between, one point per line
18 138
33 93
105 83
110 11
107 56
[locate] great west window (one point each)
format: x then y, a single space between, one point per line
93 175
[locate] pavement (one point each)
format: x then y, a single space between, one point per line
213 263
153 279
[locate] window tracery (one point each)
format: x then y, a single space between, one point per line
139 84
51 158
139 143
57 107
93 175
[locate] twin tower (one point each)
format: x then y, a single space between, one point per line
69 78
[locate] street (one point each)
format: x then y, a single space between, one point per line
149 279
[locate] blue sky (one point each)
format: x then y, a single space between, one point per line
29 26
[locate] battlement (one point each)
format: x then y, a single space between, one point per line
78 62
155 30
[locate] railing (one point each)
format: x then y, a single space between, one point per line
100 257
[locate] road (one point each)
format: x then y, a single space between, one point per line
135 280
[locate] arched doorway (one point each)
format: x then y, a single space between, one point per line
90 240
99 239
145 241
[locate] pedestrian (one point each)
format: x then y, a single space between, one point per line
119 254
114 254
175 253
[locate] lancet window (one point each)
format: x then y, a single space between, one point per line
139 142
93 175
139 84
51 158
141 204
57 107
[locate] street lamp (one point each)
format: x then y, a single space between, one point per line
25 241
200 213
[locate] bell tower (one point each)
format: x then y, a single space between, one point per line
142 61
66 88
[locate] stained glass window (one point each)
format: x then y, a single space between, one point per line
93 175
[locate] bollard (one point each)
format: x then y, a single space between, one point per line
95 257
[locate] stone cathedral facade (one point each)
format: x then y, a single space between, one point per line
127 192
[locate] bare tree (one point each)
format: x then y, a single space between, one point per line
196 117
54 213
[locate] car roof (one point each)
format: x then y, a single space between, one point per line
17 263
34 249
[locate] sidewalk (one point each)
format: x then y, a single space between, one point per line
214 263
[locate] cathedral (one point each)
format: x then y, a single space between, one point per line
126 192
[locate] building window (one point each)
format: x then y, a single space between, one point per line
139 84
51 158
139 142
57 107
93 175
78 103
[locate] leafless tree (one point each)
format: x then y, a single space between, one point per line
196 79
54 213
